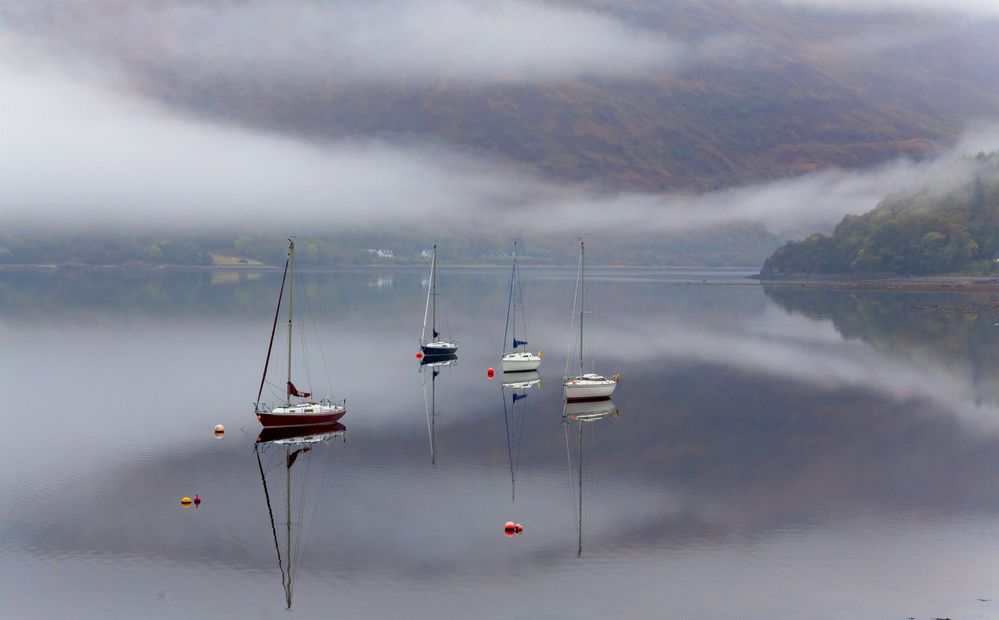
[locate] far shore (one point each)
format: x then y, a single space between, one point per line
374 266
939 283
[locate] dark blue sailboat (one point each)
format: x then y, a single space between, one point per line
435 346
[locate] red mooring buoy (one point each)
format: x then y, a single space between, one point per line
197 500
419 355
518 528
510 528
490 373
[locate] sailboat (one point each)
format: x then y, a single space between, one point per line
435 346
517 360
296 443
584 386
435 365
583 413
292 413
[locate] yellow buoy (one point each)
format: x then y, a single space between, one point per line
185 501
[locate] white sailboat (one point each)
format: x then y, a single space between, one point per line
583 385
518 359
436 345
305 411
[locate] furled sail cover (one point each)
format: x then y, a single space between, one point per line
294 391
518 343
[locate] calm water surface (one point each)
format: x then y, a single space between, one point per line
778 452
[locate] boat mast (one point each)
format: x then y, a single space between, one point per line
426 310
433 287
509 302
513 293
581 306
270 345
291 286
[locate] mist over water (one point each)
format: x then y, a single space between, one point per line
771 439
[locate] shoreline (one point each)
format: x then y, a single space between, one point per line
74 267
942 283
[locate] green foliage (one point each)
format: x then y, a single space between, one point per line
946 228
735 244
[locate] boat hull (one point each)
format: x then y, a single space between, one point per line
270 419
579 389
519 362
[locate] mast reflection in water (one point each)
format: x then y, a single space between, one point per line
580 414
296 445
516 384
434 365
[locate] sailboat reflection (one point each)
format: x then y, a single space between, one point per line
520 380
296 442
582 413
516 385
436 364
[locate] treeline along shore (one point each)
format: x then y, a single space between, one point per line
948 226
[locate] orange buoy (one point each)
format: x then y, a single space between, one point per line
419 355
490 373
197 502
185 502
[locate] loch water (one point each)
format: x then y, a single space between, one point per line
776 451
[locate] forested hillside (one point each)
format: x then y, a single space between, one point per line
950 226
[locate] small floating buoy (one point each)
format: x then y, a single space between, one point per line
490 373
419 355
197 502
518 528
185 502
219 431
510 528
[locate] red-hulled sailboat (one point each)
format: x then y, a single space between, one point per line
305 411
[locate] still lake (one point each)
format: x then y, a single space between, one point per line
778 452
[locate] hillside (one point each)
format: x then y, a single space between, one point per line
952 225
763 91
